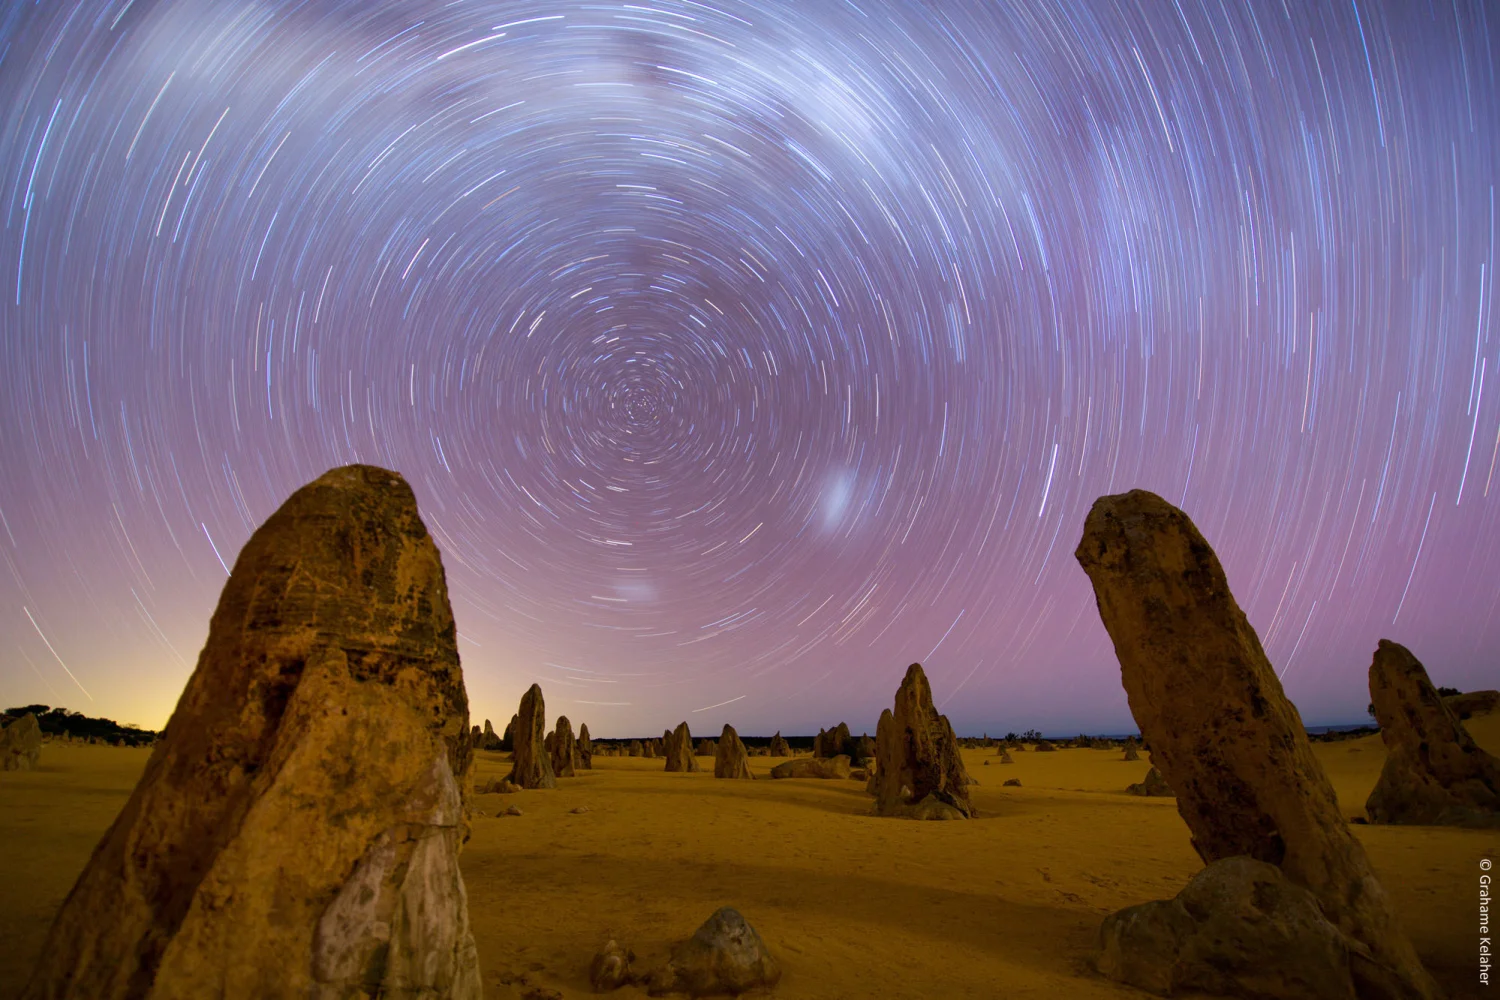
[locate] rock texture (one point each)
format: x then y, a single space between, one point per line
1043 746
21 744
706 748
562 749
1153 784
610 968
724 956
1005 757
488 740
680 750
780 747
296 832
729 756
533 765
508 739
584 756
1239 928
1435 774
917 756
1221 730
814 767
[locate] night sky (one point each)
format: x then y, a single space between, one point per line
741 354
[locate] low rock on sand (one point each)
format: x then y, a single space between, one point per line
723 957
814 767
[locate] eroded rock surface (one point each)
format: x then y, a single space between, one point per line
730 760
723 957
21 744
779 746
297 830
532 767
1222 731
917 756
1240 929
1435 774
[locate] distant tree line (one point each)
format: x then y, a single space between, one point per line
61 722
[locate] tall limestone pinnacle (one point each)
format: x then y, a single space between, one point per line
297 830
532 767
1222 731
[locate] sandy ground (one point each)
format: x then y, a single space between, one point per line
853 906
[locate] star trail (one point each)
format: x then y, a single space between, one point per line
741 354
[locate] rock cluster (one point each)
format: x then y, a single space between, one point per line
814 767
831 742
296 832
680 749
918 769
1044 746
1435 774
21 744
1222 731
532 767
488 740
729 756
706 748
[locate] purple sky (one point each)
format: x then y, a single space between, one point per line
742 354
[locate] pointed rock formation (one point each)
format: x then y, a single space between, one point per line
1221 730
706 748
585 748
1130 750
1005 757
508 740
730 760
489 741
917 756
533 765
680 750
296 832
779 746
634 749
1435 774
562 749
1152 785
21 744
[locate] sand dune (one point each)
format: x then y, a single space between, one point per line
853 906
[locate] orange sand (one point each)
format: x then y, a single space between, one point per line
853 906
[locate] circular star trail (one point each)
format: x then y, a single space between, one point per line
741 354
